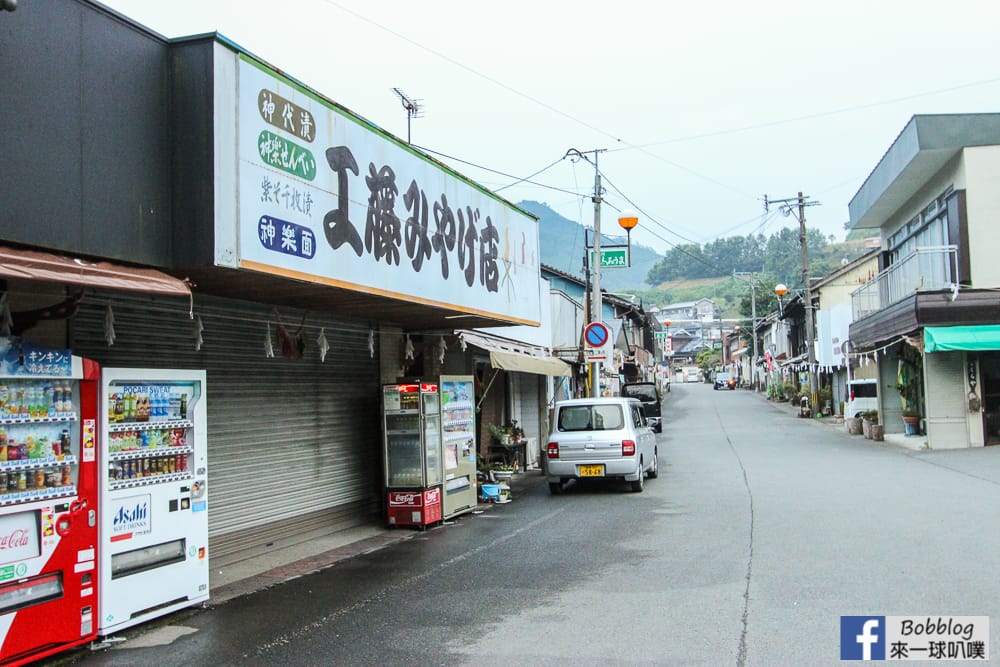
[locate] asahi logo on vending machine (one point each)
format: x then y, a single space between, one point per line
19 537
130 516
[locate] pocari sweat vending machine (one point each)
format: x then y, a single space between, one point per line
154 498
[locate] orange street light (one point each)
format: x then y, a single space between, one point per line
628 219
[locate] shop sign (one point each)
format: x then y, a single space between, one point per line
326 197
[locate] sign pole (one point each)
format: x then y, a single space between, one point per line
595 370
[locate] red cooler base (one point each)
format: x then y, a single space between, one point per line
414 508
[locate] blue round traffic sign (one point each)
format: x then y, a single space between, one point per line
596 334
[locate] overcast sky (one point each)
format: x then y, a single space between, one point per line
703 107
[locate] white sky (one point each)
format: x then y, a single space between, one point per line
696 102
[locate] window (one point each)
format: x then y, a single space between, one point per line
591 418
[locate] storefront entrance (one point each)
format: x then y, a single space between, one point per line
989 377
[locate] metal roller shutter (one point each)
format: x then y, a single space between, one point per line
293 445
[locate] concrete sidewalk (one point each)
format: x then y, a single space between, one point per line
260 572
911 442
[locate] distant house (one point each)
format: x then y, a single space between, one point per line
833 315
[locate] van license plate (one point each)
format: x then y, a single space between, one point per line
592 471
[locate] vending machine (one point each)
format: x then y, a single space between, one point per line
411 420
154 498
458 439
49 501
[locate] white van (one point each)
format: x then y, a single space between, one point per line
862 395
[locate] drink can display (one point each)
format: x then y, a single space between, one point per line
39 479
53 479
3 481
22 481
12 482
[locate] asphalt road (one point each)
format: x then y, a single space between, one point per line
761 531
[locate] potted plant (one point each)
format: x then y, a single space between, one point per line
499 434
909 394
868 419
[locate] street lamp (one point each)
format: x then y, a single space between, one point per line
628 219
780 290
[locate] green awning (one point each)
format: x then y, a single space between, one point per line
963 338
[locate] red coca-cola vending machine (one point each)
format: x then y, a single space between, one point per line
48 501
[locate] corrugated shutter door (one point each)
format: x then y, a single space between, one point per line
293 444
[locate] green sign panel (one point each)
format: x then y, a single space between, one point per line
6 572
612 258
286 155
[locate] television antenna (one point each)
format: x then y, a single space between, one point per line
414 109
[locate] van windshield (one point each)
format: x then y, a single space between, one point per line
642 392
864 390
591 418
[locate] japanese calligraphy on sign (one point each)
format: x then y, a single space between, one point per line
20 357
325 196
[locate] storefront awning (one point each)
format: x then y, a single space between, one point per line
513 356
524 363
962 338
47 267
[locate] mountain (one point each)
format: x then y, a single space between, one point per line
562 242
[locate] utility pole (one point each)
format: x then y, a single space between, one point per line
753 317
596 301
786 208
810 334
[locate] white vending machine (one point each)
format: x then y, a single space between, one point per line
154 499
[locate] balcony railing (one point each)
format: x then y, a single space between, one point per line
925 269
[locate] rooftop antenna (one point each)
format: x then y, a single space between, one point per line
414 109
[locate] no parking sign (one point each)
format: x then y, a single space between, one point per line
596 338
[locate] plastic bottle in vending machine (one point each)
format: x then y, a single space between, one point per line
65 444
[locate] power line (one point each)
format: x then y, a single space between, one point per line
812 116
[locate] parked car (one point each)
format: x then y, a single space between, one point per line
724 381
862 396
600 438
650 397
692 376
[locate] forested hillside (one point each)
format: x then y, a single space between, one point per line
690 271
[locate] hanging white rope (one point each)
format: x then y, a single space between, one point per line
408 348
198 328
268 344
371 343
442 346
323 345
109 326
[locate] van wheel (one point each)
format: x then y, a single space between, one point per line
555 488
637 485
654 472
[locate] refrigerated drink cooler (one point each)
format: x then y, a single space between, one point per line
154 497
412 453
49 498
